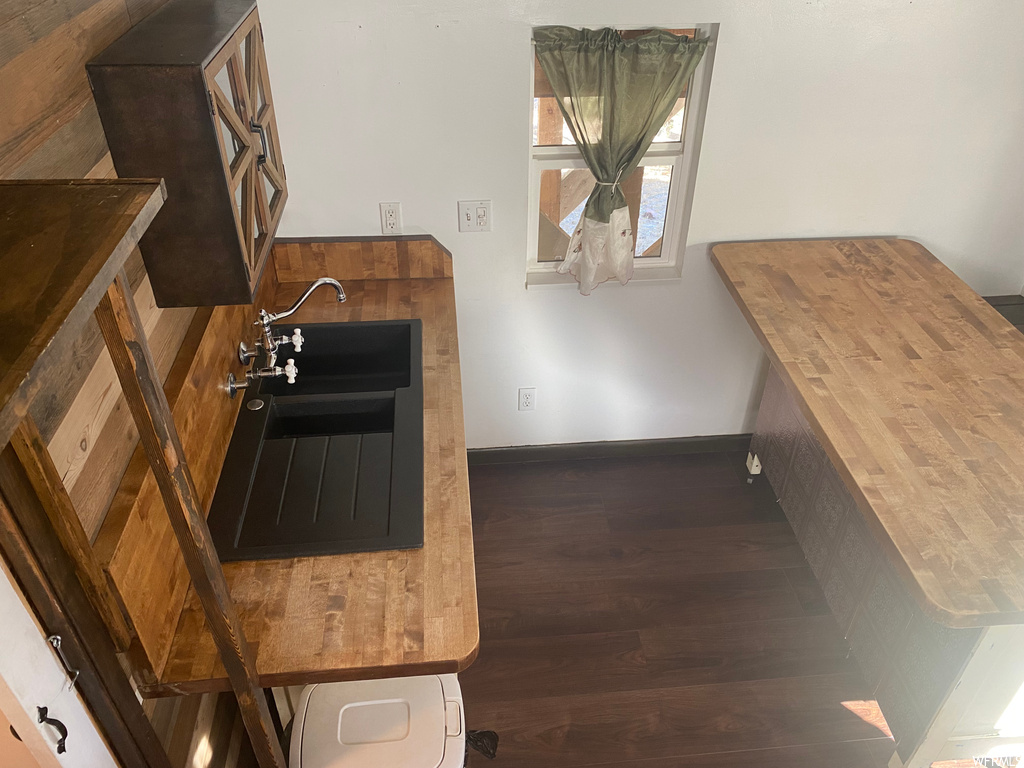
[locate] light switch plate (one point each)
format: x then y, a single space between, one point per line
474 216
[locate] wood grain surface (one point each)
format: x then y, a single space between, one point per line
372 614
98 407
376 258
914 386
50 125
136 543
61 243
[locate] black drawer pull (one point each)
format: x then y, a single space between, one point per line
257 128
56 725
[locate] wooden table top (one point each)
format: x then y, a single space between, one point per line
915 387
366 615
61 244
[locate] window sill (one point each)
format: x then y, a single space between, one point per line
548 278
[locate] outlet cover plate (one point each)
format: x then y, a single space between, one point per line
528 399
391 218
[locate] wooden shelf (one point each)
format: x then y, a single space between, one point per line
914 386
374 614
61 245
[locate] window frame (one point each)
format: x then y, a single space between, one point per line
681 155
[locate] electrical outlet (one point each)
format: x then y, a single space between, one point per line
474 216
527 398
391 218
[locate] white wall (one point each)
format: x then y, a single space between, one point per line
826 117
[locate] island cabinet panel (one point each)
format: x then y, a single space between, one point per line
909 661
185 95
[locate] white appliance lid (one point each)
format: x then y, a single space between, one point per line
398 722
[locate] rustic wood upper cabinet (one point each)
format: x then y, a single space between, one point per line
185 95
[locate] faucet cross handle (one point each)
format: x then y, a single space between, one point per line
297 340
290 370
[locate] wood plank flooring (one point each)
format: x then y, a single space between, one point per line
1010 307
654 613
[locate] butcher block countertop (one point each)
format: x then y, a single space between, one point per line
375 614
914 386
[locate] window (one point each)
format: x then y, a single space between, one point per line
659 192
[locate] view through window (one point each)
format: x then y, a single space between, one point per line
562 182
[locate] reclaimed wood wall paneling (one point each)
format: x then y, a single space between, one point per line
51 130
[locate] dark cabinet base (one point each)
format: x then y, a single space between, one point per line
909 661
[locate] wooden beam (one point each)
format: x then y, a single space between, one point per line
632 188
123 333
576 187
552 242
549 122
550 194
47 576
654 249
35 459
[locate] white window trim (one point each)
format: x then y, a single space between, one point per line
681 155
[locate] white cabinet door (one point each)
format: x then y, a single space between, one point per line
31 675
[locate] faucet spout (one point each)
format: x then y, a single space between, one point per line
267 318
269 344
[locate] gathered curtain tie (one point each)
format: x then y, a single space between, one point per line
611 183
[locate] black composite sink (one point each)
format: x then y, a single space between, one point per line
352 357
334 462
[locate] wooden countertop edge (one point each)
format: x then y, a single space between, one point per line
312 677
931 607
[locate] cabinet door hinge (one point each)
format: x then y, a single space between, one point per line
213 106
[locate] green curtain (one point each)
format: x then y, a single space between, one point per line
615 96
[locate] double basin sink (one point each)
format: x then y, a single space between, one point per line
334 462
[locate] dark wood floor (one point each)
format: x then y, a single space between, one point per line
1010 307
655 613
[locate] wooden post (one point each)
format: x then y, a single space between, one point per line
119 321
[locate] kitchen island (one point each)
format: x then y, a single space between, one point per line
892 430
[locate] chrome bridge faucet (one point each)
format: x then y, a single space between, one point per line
269 343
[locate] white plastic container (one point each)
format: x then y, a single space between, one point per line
398 722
